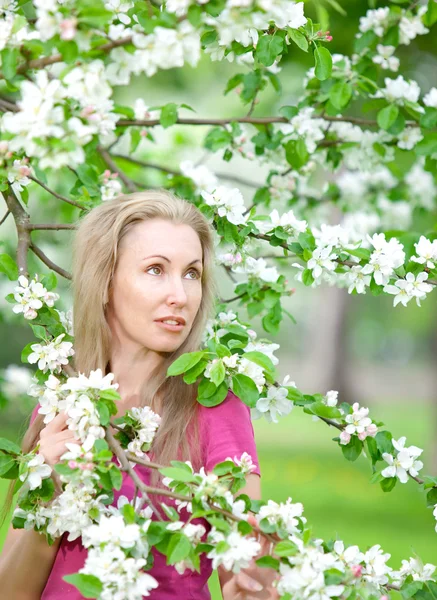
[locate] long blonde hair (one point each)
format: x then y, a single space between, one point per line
95 253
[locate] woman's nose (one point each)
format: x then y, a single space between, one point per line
176 292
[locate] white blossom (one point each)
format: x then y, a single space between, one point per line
31 296
375 20
409 137
410 287
241 550
385 58
426 252
430 99
51 356
399 91
228 202
412 26
274 405
36 470
322 258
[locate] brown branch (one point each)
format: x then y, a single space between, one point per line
6 105
5 216
56 195
247 119
21 219
148 165
46 260
49 226
131 185
40 63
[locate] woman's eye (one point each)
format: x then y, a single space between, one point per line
195 273
155 268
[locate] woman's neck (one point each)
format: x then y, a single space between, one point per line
131 370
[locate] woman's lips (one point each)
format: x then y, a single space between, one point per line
169 327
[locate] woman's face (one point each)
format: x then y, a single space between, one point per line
158 276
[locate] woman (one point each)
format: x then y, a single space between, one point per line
143 290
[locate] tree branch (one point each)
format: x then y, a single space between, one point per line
56 195
131 185
46 260
247 119
5 216
21 219
40 63
49 226
148 165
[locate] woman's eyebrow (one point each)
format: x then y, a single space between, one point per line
168 260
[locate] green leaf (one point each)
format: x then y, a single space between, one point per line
387 116
103 411
340 94
352 450
177 474
427 146
169 114
116 477
9 58
178 548
285 548
269 47
430 16
296 153
217 138
372 448
244 388
322 410
383 441
307 277
39 332
298 38
217 373
268 561
388 483
362 253
184 363
6 463
193 374
10 447
88 585
224 467
260 359
128 513
431 497
323 60
288 111
216 397
9 267
409 590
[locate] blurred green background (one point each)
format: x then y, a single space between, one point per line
372 353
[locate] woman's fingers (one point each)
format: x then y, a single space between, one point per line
59 423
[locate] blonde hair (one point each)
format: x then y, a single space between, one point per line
95 253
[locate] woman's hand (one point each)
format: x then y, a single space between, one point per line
252 583
53 438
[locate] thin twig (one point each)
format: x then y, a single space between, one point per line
131 185
50 226
220 175
46 260
40 63
5 216
55 194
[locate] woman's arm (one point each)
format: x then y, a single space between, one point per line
25 564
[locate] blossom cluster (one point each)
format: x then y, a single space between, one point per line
31 296
403 462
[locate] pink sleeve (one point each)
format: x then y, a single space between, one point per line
226 432
34 413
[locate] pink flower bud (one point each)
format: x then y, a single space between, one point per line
143 132
357 570
372 430
87 111
384 597
82 466
68 29
107 173
24 171
362 436
345 437
89 466
3 146
72 464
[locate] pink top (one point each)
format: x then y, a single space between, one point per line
225 431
